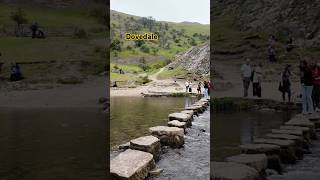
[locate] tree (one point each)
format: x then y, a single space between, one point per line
143 64
155 50
19 18
115 45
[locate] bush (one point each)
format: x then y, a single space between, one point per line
145 49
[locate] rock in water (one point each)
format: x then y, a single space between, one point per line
232 171
131 165
178 124
170 136
187 118
148 144
256 161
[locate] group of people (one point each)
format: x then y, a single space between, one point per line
251 74
310 85
309 80
205 85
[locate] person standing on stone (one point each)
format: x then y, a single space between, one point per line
272 54
187 85
206 88
316 86
307 87
256 81
246 76
190 87
199 88
286 83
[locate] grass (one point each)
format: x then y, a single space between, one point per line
178 72
133 68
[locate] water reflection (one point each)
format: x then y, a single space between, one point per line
131 117
231 129
52 144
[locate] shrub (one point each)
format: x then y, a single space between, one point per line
145 49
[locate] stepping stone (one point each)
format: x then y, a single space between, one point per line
183 117
288 148
131 165
148 144
195 108
178 124
256 161
300 122
124 146
232 171
286 131
169 136
190 112
272 152
307 132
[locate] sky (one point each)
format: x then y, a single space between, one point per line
166 10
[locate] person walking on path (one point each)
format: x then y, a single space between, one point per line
206 89
316 86
272 54
256 81
199 88
307 86
190 87
286 83
187 86
246 76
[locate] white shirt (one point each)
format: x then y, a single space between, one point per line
186 84
257 74
246 70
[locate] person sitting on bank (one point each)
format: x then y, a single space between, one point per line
16 74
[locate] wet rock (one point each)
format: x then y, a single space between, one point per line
303 122
187 118
124 146
202 130
232 171
256 161
288 148
170 136
131 165
295 132
155 172
272 152
307 132
197 109
178 124
190 112
148 144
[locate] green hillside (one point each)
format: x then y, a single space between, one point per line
74 43
149 56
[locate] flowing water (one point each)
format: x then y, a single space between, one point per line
51 144
231 129
131 117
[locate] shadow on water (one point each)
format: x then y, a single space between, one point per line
231 129
51 144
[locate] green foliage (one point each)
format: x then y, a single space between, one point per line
19 17
115 45
144 48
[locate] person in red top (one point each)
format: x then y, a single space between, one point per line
316 86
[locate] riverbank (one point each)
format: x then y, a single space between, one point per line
82 95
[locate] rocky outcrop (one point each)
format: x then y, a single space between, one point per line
232 171
299 18
195 60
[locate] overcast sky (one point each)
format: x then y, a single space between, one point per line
166 10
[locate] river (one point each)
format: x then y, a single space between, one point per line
53 143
